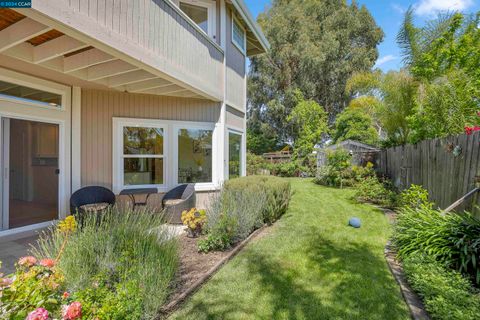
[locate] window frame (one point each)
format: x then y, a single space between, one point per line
119 156
239 47
199 186
211 18
170 152
241 158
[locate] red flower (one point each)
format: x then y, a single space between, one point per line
27 261
65 295
48 263
72 311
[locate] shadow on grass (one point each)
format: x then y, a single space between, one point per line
344 281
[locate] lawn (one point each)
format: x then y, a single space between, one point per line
309 265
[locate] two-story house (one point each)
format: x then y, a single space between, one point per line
121 94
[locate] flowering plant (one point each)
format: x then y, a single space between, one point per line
194 219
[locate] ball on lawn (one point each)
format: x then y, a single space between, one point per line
355 222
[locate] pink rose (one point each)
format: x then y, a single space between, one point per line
72 311
48 263
38 314
5 282
27 261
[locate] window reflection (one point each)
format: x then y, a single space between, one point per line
194 155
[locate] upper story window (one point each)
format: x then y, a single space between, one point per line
238 35
202 12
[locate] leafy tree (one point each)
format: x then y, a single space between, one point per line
395 94
356 125
309 122
315 47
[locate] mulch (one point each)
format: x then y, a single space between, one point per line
196 267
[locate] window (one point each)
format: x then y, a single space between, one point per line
195 156
143 156
238 35
28 94
234 155
202 12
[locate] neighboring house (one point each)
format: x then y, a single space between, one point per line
122 94
361 152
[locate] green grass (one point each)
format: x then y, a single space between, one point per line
310 265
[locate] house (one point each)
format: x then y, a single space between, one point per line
361 152
122 94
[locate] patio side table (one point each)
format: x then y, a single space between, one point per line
138 191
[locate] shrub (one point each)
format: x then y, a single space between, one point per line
337 172
415 197
286 169
255 164
453 239
372 190
445 293
194 220
243 205
106 263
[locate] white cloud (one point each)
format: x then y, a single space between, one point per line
398 8
429 7
385 59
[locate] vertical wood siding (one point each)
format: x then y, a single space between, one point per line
181 50
98 109
234 118
235 73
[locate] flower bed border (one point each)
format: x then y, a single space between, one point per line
413 301
174 304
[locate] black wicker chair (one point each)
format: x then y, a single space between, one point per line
90 195
177 200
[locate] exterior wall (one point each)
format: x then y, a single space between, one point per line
98 108
235 71
235 118
170 43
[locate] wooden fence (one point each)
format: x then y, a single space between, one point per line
448 168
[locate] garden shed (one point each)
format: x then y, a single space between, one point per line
361 152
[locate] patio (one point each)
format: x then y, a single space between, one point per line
12 250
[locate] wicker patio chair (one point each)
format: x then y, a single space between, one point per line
91 199
177 200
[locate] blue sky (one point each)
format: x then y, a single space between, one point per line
388 15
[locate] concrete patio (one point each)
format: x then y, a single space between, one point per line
12 250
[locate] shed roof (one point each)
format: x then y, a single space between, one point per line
349 142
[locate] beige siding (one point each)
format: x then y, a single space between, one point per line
235 73
170 43
235 118
98 108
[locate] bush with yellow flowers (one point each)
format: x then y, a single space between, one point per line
194 219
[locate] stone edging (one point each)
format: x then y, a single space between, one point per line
174 304
415 305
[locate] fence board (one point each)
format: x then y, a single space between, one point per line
432 164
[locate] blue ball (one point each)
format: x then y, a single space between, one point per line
355 222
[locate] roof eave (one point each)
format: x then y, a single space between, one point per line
251 23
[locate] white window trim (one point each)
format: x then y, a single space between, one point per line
170 152
212 22
200 186
34 83
243 155
239 47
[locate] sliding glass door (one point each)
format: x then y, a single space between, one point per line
30 164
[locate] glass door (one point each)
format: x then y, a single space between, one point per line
234 155
30 172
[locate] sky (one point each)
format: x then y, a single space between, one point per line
389 14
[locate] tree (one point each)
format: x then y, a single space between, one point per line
356 125
315 47
396 96
309 122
